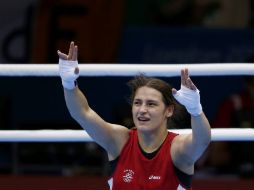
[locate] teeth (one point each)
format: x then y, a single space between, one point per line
143 119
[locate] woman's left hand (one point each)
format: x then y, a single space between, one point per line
188 95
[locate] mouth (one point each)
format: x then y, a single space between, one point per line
143 119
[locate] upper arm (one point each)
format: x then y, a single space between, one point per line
180 154
185 152
186 149
111 137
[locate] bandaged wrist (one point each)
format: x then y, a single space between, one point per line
69 84
190 99
195 111
67 72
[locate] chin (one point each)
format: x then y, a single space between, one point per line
144 128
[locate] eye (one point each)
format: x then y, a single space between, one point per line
151 104
136 103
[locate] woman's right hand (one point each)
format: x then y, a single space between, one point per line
68 67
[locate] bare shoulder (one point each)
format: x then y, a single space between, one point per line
120 136
121 133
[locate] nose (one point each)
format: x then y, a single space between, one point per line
143 109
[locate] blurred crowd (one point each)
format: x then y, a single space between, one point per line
207 13
233 157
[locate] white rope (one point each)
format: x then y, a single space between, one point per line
224 134
165 70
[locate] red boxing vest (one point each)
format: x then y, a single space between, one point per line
135 172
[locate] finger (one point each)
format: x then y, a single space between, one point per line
191 84
174 91
183 82
62 55
186 77
70 54
186 74
75 53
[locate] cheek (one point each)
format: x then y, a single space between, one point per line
158 114
134 111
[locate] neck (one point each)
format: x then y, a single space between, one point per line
150 142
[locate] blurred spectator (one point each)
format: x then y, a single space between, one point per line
236 111
210 13
230 13
174 12
169 12
184 12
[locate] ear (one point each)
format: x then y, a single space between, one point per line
170 110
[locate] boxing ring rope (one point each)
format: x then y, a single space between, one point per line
92 70
222 134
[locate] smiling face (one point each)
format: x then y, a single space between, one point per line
149 111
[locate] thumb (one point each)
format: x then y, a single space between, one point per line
174 91
61 55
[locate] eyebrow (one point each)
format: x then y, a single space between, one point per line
154 101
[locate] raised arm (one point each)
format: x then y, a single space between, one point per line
110 136
186 149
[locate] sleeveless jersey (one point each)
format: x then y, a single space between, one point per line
135 172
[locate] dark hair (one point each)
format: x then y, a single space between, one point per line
155 83
180 118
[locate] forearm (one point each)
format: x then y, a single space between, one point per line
76 103
201 131
196 143
109 136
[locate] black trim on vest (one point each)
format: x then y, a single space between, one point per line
185 179
112 166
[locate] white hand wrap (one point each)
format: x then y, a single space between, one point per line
67 73
190 99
